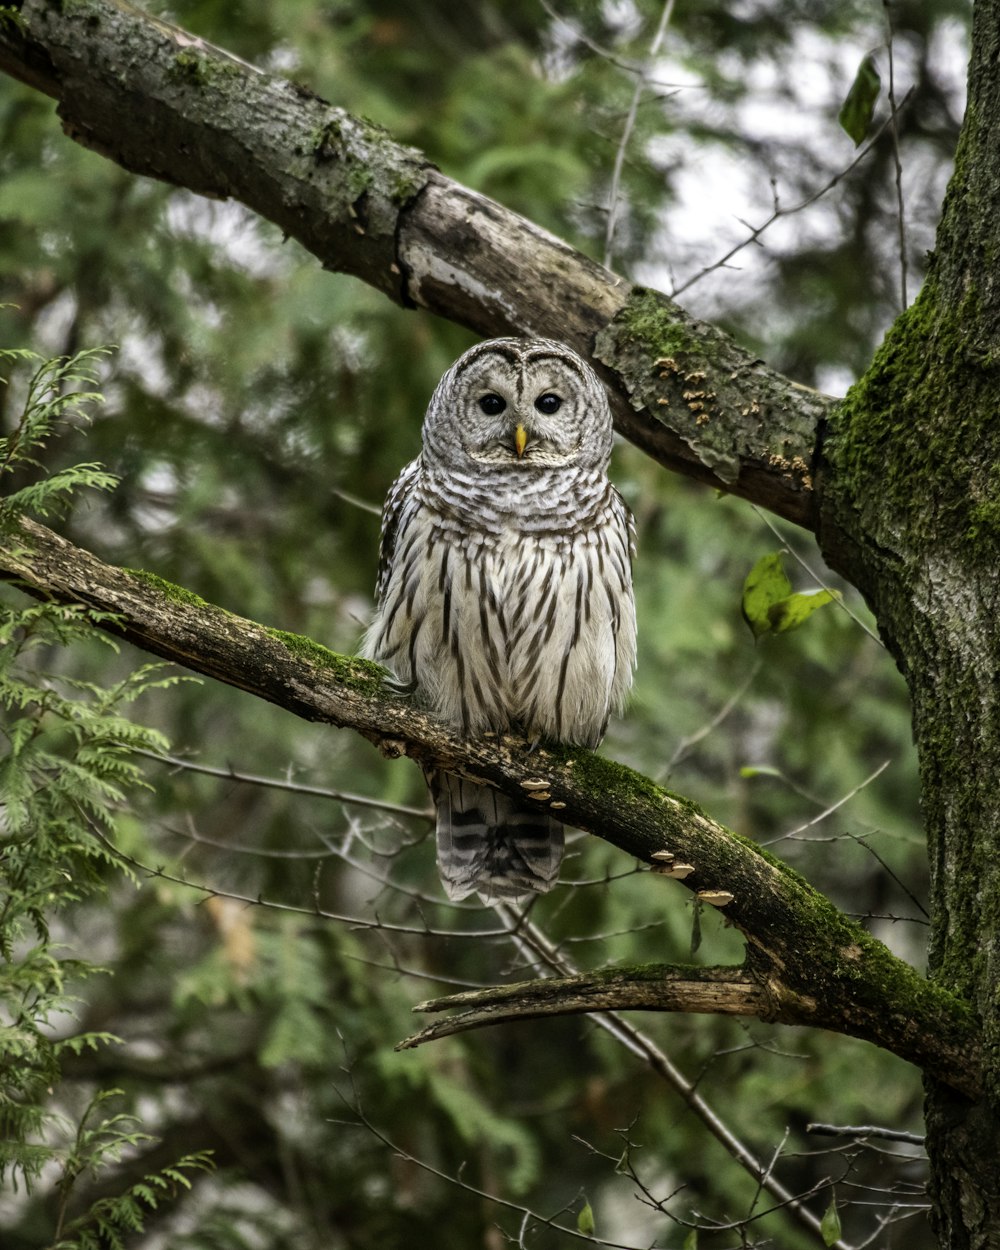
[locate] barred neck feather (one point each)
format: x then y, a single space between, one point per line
536 501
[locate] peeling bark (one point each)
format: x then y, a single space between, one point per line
717 991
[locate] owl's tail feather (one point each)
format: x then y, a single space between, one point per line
488 843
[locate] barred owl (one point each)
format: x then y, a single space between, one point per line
505 590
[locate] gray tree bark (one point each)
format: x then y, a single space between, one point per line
910 512
362 204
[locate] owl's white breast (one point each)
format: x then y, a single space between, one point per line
512 627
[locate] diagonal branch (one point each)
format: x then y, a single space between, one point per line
656 987
809 963
163 103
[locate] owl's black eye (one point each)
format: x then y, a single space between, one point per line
492 404
548 403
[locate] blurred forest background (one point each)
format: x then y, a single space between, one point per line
257 411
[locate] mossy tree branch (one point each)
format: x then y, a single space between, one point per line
806 962
163 103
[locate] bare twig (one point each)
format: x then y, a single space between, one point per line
685 744
525 1212
778 212
614 195
862 841
838 599
356 922
897 161
295 787
864 1130
833 807
528 937
363 504
581 36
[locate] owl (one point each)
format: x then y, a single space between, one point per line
504 596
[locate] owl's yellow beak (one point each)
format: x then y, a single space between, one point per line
520 440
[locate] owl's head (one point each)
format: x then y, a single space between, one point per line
523 403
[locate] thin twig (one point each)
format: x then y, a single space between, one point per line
581 36
616 174
837 599
295 787
318 913
693 739
527 935
895 1215
363 504
778 212
527 1214
862 841
897 161
865 1130
828 811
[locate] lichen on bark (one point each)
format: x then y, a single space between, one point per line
738 419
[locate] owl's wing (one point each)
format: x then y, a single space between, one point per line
622 514
617 575
394 513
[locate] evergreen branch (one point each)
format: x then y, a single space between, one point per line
811 964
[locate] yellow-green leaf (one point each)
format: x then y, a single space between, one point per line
585 1220
769 604
792 612
829 1225
766 584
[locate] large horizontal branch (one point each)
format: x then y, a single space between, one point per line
810 963
163 103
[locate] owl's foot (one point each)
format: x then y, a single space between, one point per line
402 688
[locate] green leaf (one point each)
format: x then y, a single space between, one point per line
856 112
585 1220
829 1225
691 1240
792 612
769 604
766 584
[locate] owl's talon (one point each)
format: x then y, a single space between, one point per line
402 688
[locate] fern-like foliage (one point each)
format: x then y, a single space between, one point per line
101 1138
67 764
59 392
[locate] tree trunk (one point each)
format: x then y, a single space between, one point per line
911 514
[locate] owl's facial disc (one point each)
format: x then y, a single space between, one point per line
521 415
510 433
